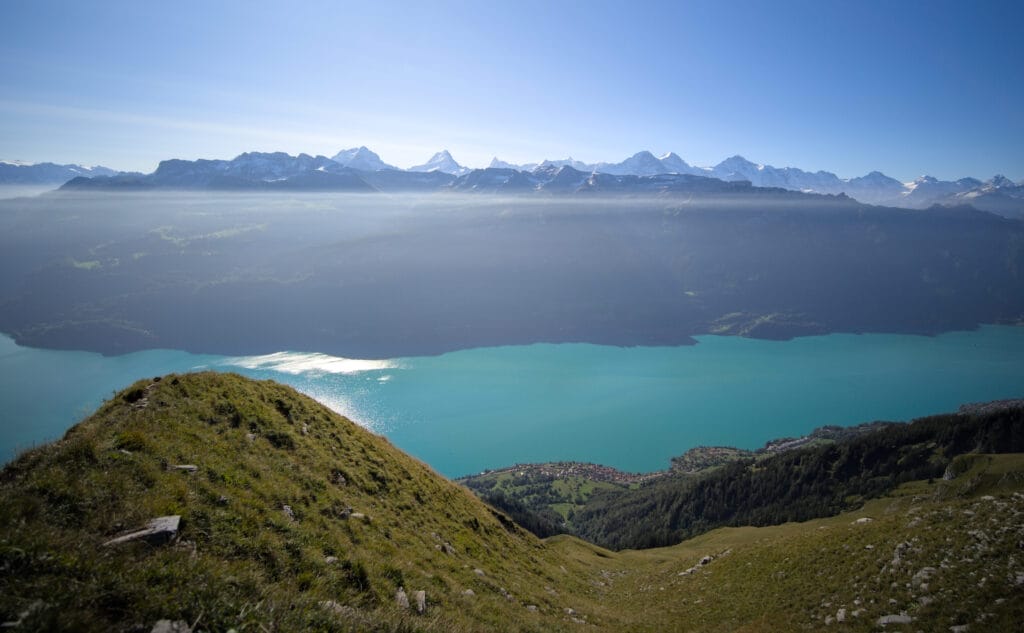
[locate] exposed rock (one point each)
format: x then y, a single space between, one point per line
469 592
862 521
169 626
448 549
897 554
921 577
841 615
960 628
479 572
531 607
159 531
902 618
287 509
358 515
706 560
330 560
401 599
420 598
188 468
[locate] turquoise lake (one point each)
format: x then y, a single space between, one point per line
631 408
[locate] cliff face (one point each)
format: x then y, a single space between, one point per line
212 502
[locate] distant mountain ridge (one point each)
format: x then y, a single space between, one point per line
361 169
18 173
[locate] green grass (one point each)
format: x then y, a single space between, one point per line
242 563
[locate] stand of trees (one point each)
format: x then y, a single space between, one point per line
794 486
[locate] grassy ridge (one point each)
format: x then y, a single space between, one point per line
242 558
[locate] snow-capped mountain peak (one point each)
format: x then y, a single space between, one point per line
361 158
442 161
497 163
1000 181
675 165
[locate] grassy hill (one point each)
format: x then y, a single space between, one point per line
295 519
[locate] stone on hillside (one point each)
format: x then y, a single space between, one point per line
897 554
902 618
448 549
159 531
479 572
330 560
358 515
921 577
960 628
469 592
169 626
531 607
420 598
401 599
706 560
287 509
841 615
188 468
862 521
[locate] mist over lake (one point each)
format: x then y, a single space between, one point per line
632 408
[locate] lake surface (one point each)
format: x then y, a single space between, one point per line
632 408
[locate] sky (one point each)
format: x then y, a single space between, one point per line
906 87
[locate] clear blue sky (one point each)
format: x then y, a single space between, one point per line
907 87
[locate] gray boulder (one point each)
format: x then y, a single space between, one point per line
159 531
169 626
401 599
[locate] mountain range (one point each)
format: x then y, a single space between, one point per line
361 169
18 173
